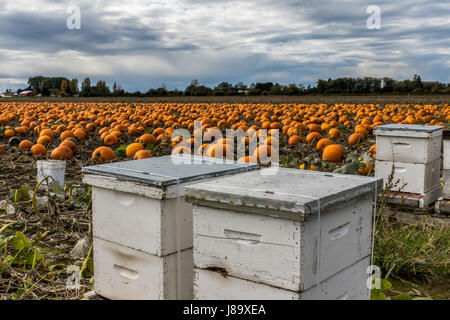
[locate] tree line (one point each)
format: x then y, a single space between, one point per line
61 86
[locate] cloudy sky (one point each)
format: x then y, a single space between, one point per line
145 43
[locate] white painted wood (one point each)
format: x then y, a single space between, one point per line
115 184
446 153
123 273
446 178
277 192
146 224
281 252
415 200
348 284
408 149
419 178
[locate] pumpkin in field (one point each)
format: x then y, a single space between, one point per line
294 140
355 139
263 153
47 132
69 143
90 127
248 159
147 138
45 140
219 150
133 148
367 169
62 153
25 144
110 140
323 143
333 153
9 133
80 134
181 150
103 154
142 154
38 150
313 137
334 133
66 134
272 140
313 127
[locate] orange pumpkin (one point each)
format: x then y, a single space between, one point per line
61 153
333 153
102 154
133 148
38 150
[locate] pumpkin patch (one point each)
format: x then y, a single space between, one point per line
315 136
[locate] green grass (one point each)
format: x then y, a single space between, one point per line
412 251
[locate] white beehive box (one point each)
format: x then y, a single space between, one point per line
446 178
123 273
140 203
138 207
446 164
408 143
415 178
349 284
264 228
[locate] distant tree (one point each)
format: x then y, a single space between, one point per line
194 89
387 85
73 87
417 81
64 87
86 87
276 89
45 87
224 89
35 83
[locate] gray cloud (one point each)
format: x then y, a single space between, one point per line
142 44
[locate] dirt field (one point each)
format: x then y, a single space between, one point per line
309 99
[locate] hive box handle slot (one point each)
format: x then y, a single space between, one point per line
401 144
400 169
339 232
126 200
243 237
126 272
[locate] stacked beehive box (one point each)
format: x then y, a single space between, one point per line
412 153
276 234
143 228
443 205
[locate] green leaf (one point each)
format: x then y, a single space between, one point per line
380 284
56 188
21 194
422 298
20 241
377 295
121 151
